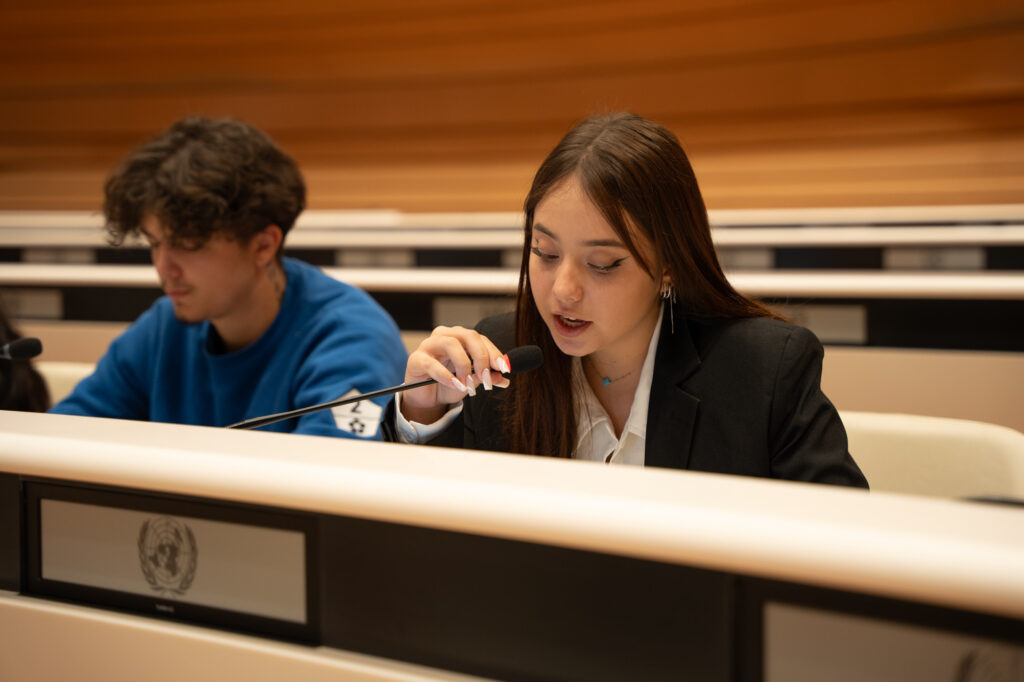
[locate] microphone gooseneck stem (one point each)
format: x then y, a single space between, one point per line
521 359
270 419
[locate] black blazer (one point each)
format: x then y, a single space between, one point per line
738 396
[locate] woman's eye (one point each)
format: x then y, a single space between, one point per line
547 257
609 267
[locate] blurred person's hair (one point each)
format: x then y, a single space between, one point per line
22 388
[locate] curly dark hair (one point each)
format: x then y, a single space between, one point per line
204 176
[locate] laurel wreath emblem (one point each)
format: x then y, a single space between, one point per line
168 555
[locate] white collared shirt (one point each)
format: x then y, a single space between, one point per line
596 439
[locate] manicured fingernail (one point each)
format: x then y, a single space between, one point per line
503 364
459 386
486 377
469 386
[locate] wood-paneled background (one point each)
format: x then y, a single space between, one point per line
451 104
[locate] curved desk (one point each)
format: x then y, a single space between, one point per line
502 281
532 544
942 226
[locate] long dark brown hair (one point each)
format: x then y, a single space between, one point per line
638 176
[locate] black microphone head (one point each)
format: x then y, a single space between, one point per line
524 359
23 349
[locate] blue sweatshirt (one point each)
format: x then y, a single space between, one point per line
329 339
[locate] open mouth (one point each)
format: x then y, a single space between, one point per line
571 325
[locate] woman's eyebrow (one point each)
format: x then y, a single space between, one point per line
541 228
592 242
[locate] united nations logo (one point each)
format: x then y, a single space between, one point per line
167 555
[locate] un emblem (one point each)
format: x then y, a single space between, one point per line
167 555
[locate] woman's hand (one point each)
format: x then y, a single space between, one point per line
460 360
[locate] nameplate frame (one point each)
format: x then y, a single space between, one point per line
237 567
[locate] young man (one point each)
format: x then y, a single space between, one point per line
242 332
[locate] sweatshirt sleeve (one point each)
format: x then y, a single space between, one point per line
116 388
364 353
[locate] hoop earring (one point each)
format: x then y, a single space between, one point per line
668 295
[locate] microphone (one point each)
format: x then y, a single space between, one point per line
21 349
520 359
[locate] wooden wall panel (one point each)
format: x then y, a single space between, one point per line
451 104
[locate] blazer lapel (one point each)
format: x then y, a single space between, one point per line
672 411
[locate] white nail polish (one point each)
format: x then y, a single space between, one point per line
469 386
486 377
459 386
504 365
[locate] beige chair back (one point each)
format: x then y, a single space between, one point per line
936 456
61 377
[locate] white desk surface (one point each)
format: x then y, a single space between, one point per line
760 283
950 553
900 226
47 641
